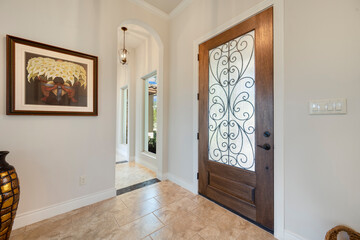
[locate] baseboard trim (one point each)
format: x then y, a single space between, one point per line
34 216
146 164
288 235
179 181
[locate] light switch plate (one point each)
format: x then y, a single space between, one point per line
328 106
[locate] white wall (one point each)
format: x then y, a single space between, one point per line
124 73
322 56
322 60
50 153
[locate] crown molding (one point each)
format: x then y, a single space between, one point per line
151 8
179 8
182 5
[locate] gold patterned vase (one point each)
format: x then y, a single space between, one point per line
9 198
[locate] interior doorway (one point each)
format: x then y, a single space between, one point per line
139 109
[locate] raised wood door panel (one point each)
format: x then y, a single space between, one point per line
226 173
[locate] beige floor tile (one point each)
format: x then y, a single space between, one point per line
147 238
209 211
140 195
83 216
97 226
130 214
46 231
160 211
200 199
128 174
228 226
183 227
17 231
151 203
175 209
197 237
49 229
253 232
17 237
111 205
166 198
62 219
141 227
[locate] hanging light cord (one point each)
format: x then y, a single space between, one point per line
124 39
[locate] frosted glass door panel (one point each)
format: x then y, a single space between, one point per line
232 103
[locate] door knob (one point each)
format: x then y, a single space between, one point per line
267 134
266 146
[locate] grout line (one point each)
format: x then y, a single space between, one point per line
134 220
158 218
157 200
116 221
156 229
123 203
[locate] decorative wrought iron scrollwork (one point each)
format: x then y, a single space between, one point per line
232 103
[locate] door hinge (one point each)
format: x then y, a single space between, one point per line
197 136
197 176
198 57
198 96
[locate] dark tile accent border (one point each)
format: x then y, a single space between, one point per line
122 162
136 186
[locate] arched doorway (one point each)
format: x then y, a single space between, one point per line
140 132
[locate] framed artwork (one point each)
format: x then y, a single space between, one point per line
48 80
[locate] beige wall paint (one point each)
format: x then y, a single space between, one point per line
50 153
322 60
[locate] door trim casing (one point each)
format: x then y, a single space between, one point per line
279 174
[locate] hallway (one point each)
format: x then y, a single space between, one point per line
161 211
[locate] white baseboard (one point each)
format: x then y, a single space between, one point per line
179 181
150 166
162 176
34 216
288 235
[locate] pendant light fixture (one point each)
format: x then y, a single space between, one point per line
123 53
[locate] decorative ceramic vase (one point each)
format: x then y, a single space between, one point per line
9 196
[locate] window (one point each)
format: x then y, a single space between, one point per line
150 119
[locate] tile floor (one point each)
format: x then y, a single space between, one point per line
131 173
160 211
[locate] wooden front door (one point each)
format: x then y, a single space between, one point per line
236 118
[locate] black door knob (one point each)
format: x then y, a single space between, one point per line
266 146
267 134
